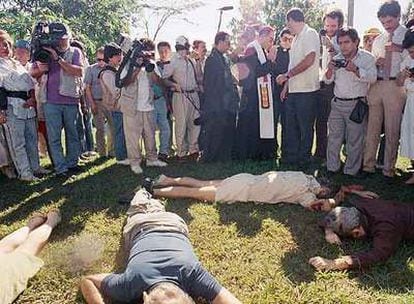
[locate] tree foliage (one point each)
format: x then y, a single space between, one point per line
273 12
94 22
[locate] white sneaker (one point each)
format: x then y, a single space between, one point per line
156 163
136 169
29 178
125 162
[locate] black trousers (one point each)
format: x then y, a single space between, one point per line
300 112
326 94
218 137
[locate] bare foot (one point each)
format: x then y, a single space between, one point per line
410 181
53 218
36 220
161 181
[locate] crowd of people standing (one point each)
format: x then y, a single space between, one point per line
216 106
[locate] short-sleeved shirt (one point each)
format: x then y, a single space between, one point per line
388 223
157 257
53 81
306 42
91 78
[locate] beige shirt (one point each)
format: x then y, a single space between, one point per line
145 100
306 42
110 92
182 71
378 49
271 187
349 85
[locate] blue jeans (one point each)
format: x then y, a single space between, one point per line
161 120
57 117
23 143
119 136
84 126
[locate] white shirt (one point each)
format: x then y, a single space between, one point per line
14 77
183 72
408 63
378 49
145 102
347 83
306 42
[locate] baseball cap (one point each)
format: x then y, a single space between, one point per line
182 42
22 44
59 29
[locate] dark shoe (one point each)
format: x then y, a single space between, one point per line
125 199
366 174
75 170
148 184
193 156
62 175
163 157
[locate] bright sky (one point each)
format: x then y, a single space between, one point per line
204 20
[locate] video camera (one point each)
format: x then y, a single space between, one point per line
46 35
133 50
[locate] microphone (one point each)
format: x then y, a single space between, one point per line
226 8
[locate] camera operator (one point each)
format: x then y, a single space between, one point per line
18 113
353 70
186 103
63 92
110 95
137 105
332 22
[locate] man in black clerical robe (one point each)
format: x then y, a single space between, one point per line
220 105
249 143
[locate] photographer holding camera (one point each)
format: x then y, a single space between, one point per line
137 105
63 91
352 70
17 114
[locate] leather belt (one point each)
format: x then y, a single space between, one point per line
186 91
390 78
350 99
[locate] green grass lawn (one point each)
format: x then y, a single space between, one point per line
259 252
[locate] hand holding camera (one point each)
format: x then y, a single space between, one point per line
339 63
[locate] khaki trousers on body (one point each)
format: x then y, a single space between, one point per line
140 125
102 115
386 103
186 132
342 128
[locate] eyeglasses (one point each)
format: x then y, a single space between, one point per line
99 59
285 39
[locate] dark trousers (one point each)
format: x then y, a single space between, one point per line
279 117
299 121
326 94
218 138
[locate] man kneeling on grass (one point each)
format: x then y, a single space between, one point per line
386 222
162 266
271 188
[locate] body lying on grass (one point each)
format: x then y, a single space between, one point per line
271 188
19 254
162 266
387 223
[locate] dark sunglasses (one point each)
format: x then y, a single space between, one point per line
99 59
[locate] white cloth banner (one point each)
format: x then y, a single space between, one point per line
264 91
